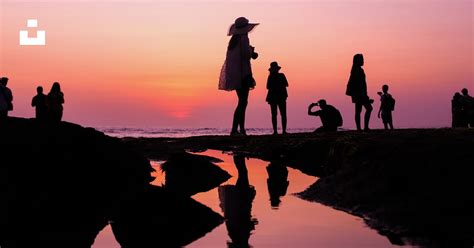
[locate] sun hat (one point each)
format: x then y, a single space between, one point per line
274 65
241 26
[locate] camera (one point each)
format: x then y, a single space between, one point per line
254 55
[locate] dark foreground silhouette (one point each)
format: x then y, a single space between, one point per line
415 189
159 218
60 186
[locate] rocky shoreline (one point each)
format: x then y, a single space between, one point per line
63 183
414 186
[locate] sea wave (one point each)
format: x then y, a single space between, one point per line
184 132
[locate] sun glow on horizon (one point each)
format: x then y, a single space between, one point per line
158 63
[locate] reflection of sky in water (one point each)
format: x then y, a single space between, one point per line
295 223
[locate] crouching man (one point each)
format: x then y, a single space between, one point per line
330 116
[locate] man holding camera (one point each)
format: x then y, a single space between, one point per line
330 116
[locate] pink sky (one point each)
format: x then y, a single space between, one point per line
156 64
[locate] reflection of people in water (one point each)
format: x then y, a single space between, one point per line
236 203
277 182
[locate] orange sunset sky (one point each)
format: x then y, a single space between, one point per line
157 63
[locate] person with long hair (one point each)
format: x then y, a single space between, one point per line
357 90
236 73
55 103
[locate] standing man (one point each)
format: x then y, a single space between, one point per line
6 100
39 102
277 95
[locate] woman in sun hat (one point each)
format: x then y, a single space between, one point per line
236 73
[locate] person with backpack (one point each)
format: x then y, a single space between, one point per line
6 100
387 106
330 116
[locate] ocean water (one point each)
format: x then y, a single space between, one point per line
121 132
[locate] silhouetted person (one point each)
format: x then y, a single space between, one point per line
236 203
387 105
6 100
55 103
277 182
459 118
236 73
39 102
277 95
357 89
330 116
467 103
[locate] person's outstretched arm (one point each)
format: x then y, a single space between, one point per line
315 113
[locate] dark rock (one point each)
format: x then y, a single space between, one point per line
159 218
188 174
61 183
414 187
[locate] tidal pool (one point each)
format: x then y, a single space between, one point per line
262 210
